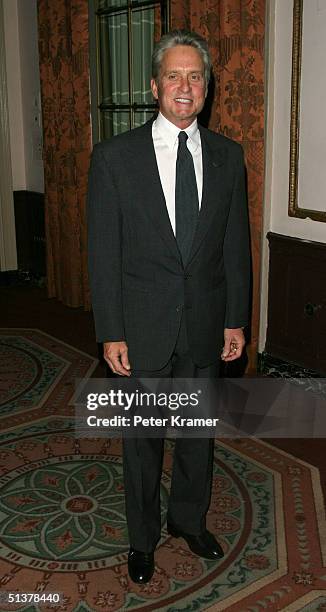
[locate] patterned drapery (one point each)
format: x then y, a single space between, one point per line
234 30
64 68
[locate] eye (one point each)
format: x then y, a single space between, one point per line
172 77
196 77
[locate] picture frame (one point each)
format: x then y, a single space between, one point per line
295 209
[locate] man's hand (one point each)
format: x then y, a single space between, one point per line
234 342
116 355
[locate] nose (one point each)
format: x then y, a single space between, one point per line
185 84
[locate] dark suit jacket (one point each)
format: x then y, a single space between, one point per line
138 283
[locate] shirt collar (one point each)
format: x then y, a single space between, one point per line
169 132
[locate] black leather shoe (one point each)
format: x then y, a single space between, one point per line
203 545
140 566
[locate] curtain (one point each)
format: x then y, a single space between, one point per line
143 43
234 30
64 68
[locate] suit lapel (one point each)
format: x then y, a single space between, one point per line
152 193
213 161
153 196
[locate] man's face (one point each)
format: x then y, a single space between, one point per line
180 87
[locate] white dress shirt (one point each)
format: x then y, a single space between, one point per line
165 139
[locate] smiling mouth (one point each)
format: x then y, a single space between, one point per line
183 100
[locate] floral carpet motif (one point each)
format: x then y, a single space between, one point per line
62 528
37 374
62 514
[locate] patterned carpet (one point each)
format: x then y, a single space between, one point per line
62 522
37 374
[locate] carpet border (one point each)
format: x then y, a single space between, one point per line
279 528
320 504
36 329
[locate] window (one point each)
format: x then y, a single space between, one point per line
125 33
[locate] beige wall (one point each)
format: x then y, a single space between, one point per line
10 13
20 20
276 217
8 254
30 75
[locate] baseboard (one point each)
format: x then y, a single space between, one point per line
21 278
269 365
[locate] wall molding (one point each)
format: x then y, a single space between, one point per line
8 253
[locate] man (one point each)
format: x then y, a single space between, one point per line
169 270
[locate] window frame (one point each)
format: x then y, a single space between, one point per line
97 106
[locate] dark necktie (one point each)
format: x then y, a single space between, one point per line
186 198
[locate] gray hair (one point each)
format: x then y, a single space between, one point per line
181 37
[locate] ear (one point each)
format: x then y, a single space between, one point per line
154 89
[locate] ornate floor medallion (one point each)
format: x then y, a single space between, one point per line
62 514
62 527
37 374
